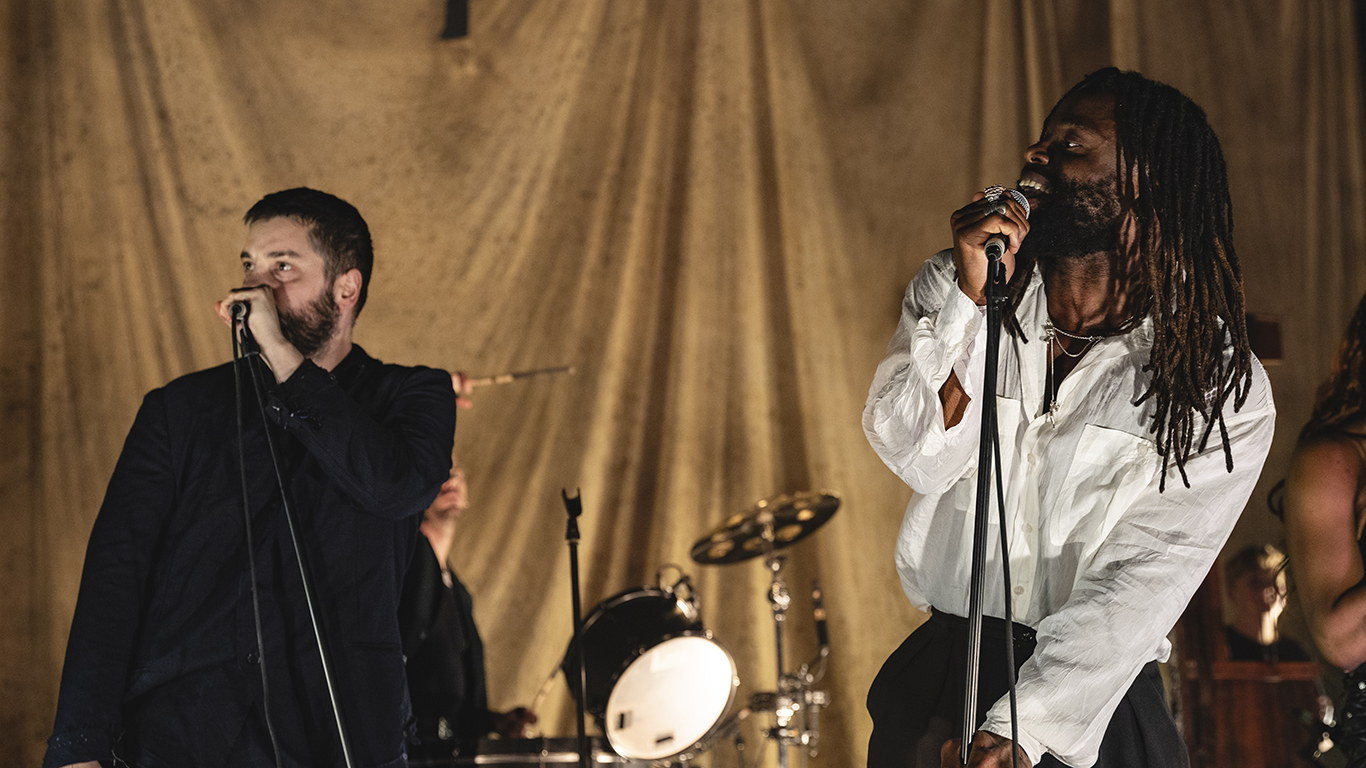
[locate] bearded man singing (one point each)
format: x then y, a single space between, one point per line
172 661
1133 422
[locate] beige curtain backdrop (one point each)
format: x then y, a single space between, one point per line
710 208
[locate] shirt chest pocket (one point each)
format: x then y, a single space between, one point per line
1109 469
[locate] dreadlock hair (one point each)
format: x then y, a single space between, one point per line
1340 398
1172 178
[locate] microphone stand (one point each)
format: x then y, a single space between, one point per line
315 617
574 507
988 458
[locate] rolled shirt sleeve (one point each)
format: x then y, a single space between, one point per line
941 331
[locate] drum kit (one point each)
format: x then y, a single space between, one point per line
658 683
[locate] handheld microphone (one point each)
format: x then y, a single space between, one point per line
240 310
997 244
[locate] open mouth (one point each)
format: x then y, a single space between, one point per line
1031 188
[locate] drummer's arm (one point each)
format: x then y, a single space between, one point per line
513 724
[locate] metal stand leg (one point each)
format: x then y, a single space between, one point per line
795 706
779 600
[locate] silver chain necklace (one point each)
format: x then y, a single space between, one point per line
1050 335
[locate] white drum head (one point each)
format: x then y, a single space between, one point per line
669 698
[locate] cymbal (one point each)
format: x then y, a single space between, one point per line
791 517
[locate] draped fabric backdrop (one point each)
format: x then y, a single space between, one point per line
710 208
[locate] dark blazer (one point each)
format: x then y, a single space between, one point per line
445 658
162 664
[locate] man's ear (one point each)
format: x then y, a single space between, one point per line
346 289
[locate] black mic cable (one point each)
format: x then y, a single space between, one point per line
1010 614
240 310
258 381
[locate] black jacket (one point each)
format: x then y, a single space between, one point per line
162 662
445 659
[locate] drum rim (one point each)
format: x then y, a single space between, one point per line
602 608
624 596
695 748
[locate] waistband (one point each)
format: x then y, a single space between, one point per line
992 627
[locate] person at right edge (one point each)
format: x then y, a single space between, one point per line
1325 510
1133 423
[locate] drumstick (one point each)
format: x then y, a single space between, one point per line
506 378
539 698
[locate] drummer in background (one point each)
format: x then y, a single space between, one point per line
445 657
1256 589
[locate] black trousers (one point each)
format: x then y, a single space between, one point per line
916 701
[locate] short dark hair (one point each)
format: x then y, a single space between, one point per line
1251 559
335 229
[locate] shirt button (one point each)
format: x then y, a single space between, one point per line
253 657
1019 590
1028 528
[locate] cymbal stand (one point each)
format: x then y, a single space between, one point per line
795 706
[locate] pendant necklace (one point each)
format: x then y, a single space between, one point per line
1050 335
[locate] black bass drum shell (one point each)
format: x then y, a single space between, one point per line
618 630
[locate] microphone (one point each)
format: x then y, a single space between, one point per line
818 613
997 244
240 310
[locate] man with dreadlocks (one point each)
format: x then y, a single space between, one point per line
1133 424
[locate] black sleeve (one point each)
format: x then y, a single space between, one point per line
420 597
390 468
109 604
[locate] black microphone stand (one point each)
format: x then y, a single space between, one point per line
574 507
988 458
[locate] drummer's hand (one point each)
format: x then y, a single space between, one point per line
463 389
91 764
513 723
988 751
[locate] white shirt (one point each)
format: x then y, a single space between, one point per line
1103 564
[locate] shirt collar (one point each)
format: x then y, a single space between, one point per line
350 368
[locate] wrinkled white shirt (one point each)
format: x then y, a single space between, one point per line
1102 563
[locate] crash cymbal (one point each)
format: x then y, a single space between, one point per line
790 517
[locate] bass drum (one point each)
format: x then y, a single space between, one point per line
657 682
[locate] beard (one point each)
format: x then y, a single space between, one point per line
311 328
1081 218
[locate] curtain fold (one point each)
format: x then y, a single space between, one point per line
710 209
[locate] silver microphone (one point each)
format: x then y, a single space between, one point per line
997 244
